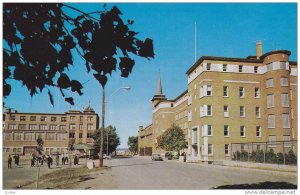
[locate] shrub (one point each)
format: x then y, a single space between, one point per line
290 158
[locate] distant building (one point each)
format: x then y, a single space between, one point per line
227 101
21 130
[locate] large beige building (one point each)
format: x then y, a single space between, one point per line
243 102
21 130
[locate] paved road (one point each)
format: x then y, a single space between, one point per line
142 173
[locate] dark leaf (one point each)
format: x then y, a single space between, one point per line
146 49
6 89
63 81
70 100
126 64
102 79
76 86
50 97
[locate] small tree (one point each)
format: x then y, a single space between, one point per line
173 139
113 139
133 144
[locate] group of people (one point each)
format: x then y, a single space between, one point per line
41 159
17 160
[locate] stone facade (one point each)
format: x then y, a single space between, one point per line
21 130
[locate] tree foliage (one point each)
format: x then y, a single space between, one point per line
40 40
40 144
113 139
173 139
133 144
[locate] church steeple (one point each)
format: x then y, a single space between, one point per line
159 88
159 96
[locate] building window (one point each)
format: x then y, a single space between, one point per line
242 92
270 83
210 149
7 136
32 118
257 92
90 127
242 147
271 121
282 65
62 127
61 136
63 119
80 135
71 135
208 92
224 67
80 126
287 141
226 111
257 112
50 136
43 118
53 119
226 149
32 126
18 136
242 111
81 118
209 130
72 118
269 67
195 136
258 131
12 126
240 68
208 66
190 100
43 127
22 118
209 110
29 137
53 127
226 131
255 69
285 100
242 131
72 126
89 118
22 126
272 141
285 120
270 101
284 81
89 135
12 118
225 91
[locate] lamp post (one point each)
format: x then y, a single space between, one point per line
102 120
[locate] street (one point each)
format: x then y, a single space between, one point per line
143 173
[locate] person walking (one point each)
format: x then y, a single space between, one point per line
67 159
9 161
49 161
63 160
18 159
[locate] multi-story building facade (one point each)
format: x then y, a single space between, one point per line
21 130
233 100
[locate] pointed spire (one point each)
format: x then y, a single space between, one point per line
159 88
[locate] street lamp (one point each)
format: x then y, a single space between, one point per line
125 88
102 120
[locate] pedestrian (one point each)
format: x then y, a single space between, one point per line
57 159
18 159
67 159
63 160
75 160
15 157
9 161
33 161
184 157
49 161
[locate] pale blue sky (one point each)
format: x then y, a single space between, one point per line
228 30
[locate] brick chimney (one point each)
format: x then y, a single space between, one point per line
258 49
141 128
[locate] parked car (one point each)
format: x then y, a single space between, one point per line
155 157
106 157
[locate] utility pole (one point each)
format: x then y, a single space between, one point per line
102 129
